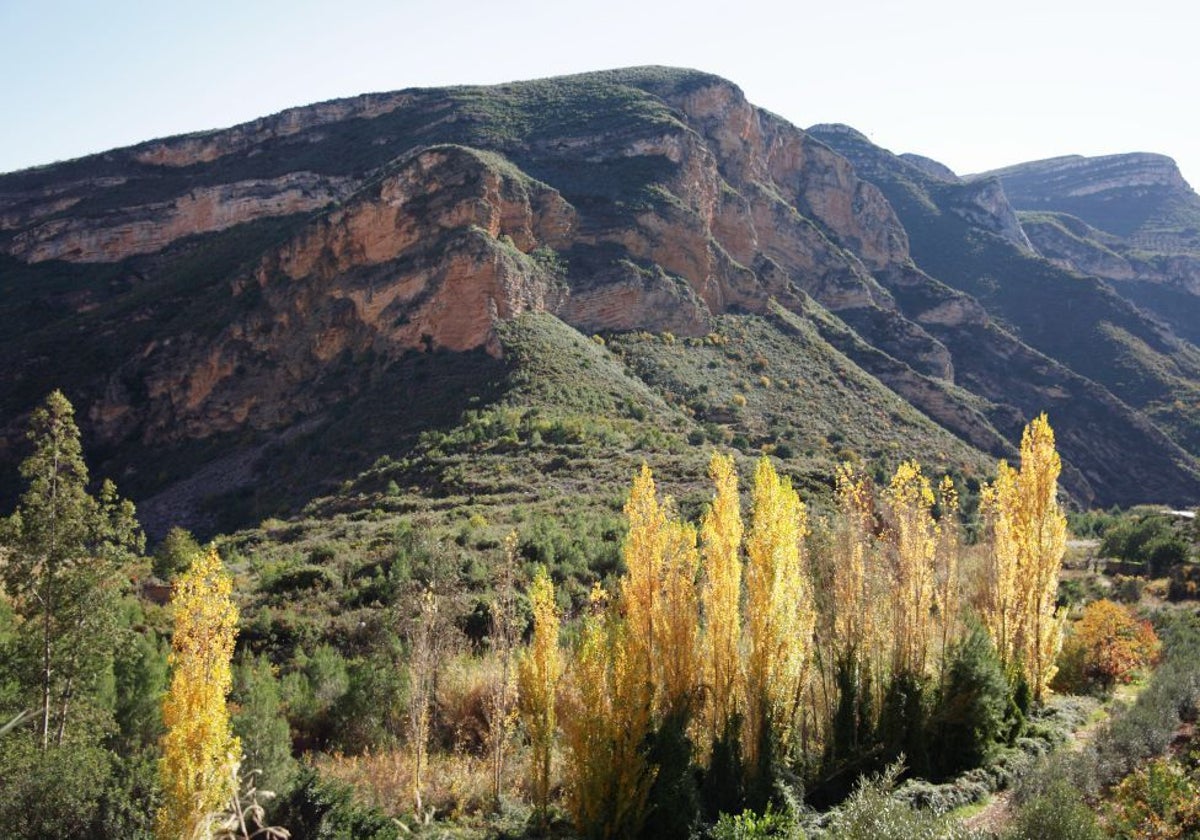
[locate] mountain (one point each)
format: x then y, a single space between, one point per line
1129 219
397 291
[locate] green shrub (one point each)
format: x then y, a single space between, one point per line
748 825
1058 813
968 718
874 813
324 809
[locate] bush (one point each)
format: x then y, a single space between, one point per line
751 826
1161 799
874 813
323 809
1108 644
1150 540
1059 813
968 719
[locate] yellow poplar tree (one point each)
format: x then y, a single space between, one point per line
198 747
1029 540
605 723
915 539
949 586
1000 609
676 625
538 674
853 599
721 537
1044 529
779 612
641 596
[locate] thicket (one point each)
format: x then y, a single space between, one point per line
1147 796
725 667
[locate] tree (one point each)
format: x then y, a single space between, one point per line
199 748
779 615
503 634
606 722
539 671
721 594
1106 646
914 540
64 549
261 727
1028 543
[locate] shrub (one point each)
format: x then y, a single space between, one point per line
874 813
1159 800
1058 813
968 719
751 826
326 809
1108 644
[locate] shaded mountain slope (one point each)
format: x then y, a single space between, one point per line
243 304
1078 322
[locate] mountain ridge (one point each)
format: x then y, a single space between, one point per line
234 284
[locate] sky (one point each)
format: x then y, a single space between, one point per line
975 85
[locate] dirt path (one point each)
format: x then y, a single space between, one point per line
993 818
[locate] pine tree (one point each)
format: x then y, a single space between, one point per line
538 673
199 748
65 548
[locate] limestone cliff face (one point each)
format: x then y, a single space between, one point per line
983 204
144 229
426 258
1141 197
1072 244
207 146
255 277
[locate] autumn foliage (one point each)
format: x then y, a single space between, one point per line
1107 645
199 748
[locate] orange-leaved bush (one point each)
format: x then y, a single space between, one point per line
1107 645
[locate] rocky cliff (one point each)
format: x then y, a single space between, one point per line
237 284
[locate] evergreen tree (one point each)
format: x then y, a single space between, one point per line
64 548
260 725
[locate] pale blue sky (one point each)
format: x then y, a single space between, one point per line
975 85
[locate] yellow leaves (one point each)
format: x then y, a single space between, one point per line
914 545
721 537
1108 644
538 674
605 722
1028 543
779 612
198 747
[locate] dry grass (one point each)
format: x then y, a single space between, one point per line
458 786
458 776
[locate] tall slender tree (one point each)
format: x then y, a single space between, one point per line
538 672
199 748
914 540
1028 543
721 540
64 549
779 614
